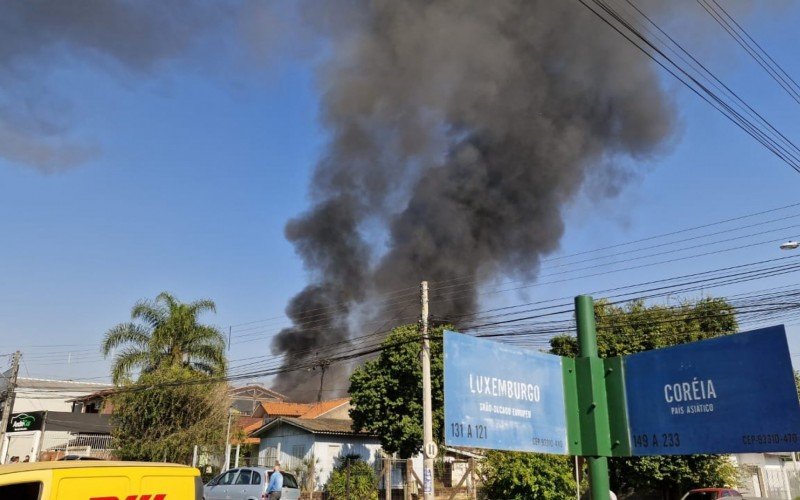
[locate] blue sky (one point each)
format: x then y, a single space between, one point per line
197 172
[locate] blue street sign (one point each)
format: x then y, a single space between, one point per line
501 397
731 394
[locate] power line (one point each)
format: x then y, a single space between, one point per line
633 35
752 47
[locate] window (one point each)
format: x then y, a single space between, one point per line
244 477
227 478
21 491
296 458
289 481
256 479
269 456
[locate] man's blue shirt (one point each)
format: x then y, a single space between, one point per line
275 482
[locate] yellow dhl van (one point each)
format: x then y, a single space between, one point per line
99 480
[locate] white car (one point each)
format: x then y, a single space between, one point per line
248 483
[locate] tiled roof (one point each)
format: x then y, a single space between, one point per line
323 407
313 425
281 409
248 425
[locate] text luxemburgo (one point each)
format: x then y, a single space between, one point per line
503 388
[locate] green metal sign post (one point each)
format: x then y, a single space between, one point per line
595 436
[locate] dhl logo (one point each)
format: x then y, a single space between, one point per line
159 496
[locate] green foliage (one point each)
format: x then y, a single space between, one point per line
167 334
638 327
514 475
386 393
166 413
359 483
797 382
673 475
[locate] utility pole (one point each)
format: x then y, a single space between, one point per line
428 446
227 463
8 406
587 347
387 475
323 365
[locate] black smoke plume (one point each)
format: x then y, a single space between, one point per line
459 131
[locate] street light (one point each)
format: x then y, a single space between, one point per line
790 245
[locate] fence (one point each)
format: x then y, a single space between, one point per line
56 445
770 480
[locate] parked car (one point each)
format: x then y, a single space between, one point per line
78 457
712 494
81 480
248 483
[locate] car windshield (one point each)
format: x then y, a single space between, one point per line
702 495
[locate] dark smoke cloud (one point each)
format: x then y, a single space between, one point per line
460 130
135 37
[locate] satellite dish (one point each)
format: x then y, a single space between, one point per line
790 245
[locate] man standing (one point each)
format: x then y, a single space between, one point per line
275 483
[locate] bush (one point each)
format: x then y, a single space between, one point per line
361 484
521 476
166 413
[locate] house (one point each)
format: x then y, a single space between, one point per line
293 440
768 475
246 399
49 435
293 433
36 394
43 411
96 402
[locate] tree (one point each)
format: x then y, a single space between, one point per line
386 393
638 327
515 475
357 482
797 382
165 413
165 333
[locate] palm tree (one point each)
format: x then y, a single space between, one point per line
165 333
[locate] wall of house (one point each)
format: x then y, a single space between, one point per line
291 446
328 448
39 400
287 444
768 475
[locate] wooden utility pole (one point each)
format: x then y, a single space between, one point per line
387 475
323 365
428 446
8 406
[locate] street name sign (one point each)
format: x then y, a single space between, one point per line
502 397
730 394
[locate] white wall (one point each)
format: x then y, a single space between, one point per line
329 448
291 445
33 400
281 443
